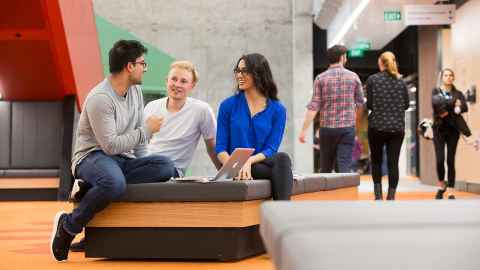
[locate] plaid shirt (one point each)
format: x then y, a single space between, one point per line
335 94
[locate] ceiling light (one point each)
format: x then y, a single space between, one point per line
356 12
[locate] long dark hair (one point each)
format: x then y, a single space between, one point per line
257 65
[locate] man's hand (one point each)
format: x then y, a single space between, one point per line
301 136
246 172
309 116
154 123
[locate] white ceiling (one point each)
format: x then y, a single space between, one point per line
369 26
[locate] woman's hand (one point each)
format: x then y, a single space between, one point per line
246 172
457 109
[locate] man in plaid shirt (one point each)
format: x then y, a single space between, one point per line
338 98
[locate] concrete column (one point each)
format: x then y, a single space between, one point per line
302 81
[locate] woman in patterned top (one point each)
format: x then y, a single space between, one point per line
387 100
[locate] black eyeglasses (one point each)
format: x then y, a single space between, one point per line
243 71
143 63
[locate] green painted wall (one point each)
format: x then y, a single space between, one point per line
158 61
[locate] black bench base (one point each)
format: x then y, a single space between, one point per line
223 244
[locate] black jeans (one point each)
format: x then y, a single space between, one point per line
278 169
393 141
448 137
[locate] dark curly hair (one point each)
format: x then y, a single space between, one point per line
258 66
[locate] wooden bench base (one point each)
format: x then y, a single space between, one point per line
182 230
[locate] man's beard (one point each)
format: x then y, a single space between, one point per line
137 81
134 80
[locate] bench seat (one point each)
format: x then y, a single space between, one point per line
372 235
219 220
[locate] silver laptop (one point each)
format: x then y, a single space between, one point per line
229 169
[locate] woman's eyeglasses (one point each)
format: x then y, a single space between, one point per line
242 71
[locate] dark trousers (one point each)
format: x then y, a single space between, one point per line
109 176
278 169
336 146
393 141
448 137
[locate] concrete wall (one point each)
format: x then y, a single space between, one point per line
213 34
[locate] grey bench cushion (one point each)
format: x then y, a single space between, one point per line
313 182
298 186
372 235
36 135
328 181
231 190
30 173
198 192
341 180
5 120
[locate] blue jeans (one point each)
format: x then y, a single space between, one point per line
336 147
109 176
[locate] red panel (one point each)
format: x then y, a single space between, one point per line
21 14
83 46
25 72
51 50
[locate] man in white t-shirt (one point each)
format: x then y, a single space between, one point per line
185 119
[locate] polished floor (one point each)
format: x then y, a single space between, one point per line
26 229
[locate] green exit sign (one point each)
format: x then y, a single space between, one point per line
362 45
392 15
354 53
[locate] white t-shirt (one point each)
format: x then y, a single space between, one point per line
180 132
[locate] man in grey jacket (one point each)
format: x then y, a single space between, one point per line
109 149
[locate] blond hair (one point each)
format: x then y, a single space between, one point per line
186 65
390 64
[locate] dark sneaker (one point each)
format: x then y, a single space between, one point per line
451 197
61 239
78 246
79 189
439 195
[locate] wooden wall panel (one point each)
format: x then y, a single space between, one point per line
428 67
465 48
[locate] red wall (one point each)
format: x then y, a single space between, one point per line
49 49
